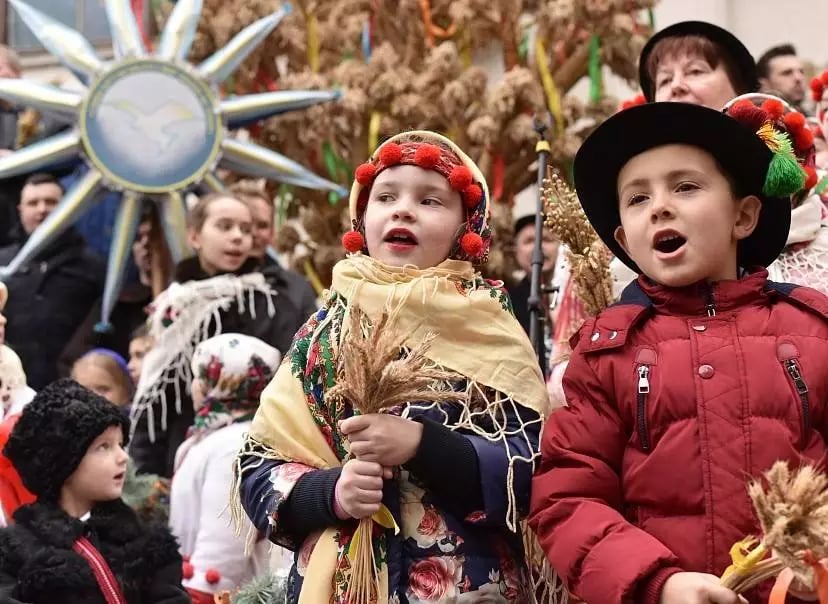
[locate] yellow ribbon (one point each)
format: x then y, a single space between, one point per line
313 43
313 277
373 131
553 97
745 554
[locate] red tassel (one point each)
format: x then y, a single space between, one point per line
390 154
365 174
460 178
749 115
472 245
353 241
794 121
427 156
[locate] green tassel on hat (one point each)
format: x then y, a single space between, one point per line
785 176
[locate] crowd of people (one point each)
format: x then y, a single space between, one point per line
214 434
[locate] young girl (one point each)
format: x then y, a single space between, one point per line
220 290
105 373
229 373
455 476
79 543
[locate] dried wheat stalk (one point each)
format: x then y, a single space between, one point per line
792 508
588 256
372 375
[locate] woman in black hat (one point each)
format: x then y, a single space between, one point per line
696 62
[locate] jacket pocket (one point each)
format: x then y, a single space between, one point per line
788 354
645 360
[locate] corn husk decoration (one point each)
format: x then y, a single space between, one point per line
792 508
374 375
589 258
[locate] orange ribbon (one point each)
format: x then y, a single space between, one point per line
432 30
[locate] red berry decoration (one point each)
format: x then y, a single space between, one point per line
365 174
472 245
390 154
774 108
187 570
353 241
213 576
460 178
472 196
427 156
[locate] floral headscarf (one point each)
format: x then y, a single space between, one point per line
233 370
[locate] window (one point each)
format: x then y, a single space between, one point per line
86 16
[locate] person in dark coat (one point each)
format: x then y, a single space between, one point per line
220 290
80 541
50 296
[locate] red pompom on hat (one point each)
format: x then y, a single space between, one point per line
427 156
460 178
742 103
748 114
824 78
187 570
794 121
212 576
810 179
774 108
365 174
472 245
803 139
472 196
390 154
353 241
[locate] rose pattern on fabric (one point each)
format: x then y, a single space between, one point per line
435 579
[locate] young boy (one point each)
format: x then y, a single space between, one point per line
702 376
79 543
455 476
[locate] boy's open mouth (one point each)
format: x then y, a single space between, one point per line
400 236
668 242
120 476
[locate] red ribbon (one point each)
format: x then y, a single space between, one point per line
107 582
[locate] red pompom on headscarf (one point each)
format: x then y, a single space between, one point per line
213 576
774 108
390 154
427 156
365 174
460 178
794 121
472 196
472 245
353 241
749 115
810 178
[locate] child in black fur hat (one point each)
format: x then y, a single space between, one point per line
80 543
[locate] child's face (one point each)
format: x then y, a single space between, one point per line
100 475
689 78
679 220
97 379
412 217
138 349
225 239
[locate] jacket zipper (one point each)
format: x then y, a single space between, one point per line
710 307
793 369
643 391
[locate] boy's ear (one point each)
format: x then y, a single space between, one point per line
747 216
193 238
621 239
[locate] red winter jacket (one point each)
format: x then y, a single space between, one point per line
675 398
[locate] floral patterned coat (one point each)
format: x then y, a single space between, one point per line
438 556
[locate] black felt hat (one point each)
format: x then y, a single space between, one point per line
54 432
737 148
740 55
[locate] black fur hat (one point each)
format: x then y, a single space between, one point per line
53 433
